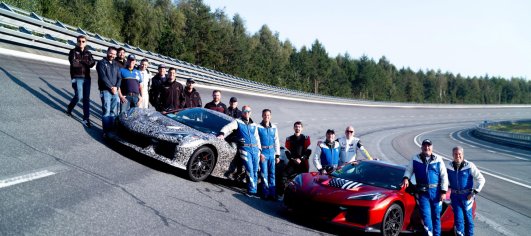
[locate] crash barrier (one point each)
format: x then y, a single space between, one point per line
33 31
482 131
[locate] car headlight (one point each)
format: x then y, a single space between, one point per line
370 196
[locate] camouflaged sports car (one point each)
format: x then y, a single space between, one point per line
186 140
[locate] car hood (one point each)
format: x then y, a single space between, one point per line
153 124
335 189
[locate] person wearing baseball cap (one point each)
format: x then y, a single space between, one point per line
432 183
130 92
233 110
249 147
326 158
191 96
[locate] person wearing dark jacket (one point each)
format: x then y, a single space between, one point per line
297 152
120 57
216 103
156 87
191 96
171 96
233 110
81 61
108 83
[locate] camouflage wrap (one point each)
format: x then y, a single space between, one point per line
167 140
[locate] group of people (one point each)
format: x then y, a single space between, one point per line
433 177
259 151
123 84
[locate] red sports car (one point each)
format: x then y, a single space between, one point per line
365 195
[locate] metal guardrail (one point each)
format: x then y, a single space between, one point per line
513 139
31 30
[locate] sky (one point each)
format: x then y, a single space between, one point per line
470 37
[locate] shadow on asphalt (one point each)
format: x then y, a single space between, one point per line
60 101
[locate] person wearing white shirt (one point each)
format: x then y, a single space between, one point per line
350 146
146 81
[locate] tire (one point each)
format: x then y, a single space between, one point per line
393 221
201 164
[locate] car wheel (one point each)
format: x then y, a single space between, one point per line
201 164
392 221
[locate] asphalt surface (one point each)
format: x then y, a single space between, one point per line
76 184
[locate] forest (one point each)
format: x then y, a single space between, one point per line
191 31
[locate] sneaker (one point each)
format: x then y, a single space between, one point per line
86 123
280 198
68 113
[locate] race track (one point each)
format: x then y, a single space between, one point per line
59 178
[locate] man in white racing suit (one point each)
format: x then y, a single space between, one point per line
350 146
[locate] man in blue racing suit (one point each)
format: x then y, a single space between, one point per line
326 158
432 184
466 181
250 147
270 154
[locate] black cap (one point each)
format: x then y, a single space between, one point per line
162 66
190 80
233 99
330 131
426 141
131 57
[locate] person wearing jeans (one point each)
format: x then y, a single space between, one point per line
130 91
81 88
81 61
109 81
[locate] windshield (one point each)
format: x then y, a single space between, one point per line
203 120
372 173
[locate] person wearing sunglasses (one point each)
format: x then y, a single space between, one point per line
81 61
249 147
350 146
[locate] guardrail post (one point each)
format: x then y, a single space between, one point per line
35 16
6 7
79 30
58 23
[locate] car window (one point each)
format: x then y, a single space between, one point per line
202 120
372 173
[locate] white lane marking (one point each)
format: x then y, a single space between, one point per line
482 169
502 151
25 178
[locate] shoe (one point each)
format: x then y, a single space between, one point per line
86 123
280 198
68 113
